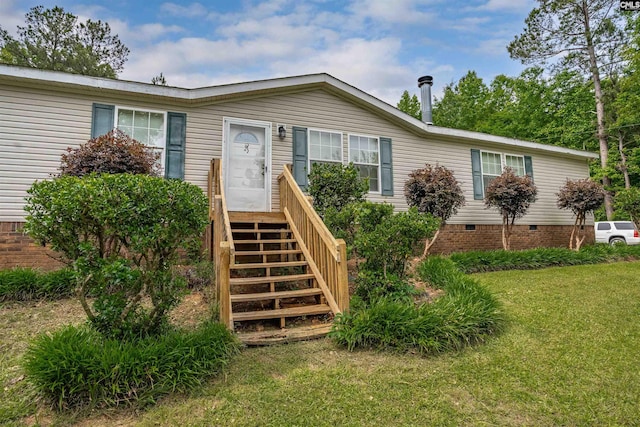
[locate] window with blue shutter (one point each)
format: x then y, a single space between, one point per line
101 119
386 167
300 156
165 132
486 166
176 138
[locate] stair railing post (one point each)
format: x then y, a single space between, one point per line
223 286
342 297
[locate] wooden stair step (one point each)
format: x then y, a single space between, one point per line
257 217
261 296
265 241
279 336
270 252
268 265
269 279
307 310
259 230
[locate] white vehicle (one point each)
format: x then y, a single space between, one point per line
617 232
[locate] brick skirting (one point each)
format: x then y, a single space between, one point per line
461 237
18 250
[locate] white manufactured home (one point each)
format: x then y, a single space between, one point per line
255 132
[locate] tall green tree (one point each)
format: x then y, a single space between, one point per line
625 120
410 105
464 105
53 39
583 35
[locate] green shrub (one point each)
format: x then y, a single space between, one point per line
76 366
466 314
371 286
25 284
388 246
481 261
355 217
335 185
122 234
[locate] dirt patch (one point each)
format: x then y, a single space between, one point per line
193 310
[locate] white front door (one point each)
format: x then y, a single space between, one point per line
247 165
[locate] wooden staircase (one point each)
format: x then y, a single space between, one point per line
272 277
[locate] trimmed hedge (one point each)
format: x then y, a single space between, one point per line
466 314
530 259
76 367
26 284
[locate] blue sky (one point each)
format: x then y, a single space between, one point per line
379 46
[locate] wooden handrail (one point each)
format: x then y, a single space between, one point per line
309 211
328 253
223 247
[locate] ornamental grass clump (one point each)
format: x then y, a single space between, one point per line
467 313
78 367
27 284
531 259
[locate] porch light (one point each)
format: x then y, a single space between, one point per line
282 131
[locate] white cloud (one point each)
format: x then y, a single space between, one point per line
394 12
492 47
508 5
193 10
11 15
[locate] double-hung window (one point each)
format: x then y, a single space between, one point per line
145 126
364 152
494 163
324 147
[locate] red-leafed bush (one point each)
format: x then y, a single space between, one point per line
434 190
113 152
582 197
511 195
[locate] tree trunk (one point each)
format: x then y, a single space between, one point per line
601 132
506 234
623 161
428 243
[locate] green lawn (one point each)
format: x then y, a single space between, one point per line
570 356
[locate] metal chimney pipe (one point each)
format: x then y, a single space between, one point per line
424 83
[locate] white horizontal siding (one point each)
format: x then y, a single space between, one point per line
38 125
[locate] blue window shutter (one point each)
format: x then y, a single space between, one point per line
476 172
176 138
386 167
101 119
300 156
528 166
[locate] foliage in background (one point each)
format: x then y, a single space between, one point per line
511 195
436 191
467 313
76 367
533 259
27 284
628 201
53 39
121 234
410 105
159 80
388 246
583 36
553 110
335 185
582 197
114 152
